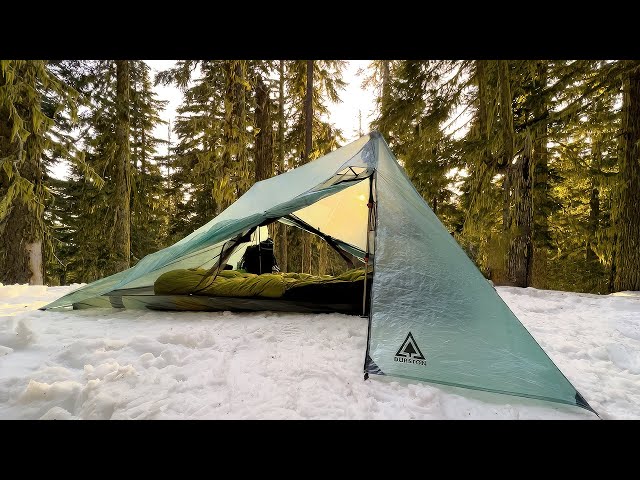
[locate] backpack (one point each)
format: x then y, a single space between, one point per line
259 258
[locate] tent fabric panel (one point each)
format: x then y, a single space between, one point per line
88 291
205 258
426 286
271 198
343 215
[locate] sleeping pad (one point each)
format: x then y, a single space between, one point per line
232 283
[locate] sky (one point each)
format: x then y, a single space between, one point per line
343 115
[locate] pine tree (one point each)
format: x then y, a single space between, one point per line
196 163
310 84
308 135
264 132
581 159
235 160
90 240
414 113
308 112
379 79
149 202
327 82
32 99
283 242
627 273
212 158
542 202
520 170
122 171
504 166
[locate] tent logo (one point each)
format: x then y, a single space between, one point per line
409 352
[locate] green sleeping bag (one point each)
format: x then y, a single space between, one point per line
231 283
228 283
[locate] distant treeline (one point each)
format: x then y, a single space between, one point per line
533 165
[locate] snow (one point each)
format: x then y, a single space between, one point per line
114 364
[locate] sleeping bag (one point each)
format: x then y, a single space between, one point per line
343 288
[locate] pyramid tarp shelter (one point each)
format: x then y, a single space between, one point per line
432 315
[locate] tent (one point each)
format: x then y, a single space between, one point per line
432 315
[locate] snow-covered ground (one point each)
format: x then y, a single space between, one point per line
111 364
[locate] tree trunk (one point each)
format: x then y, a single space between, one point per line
239 116
520 258
21 247
308 113
310 240
34 250
308 130
386 92
506 113
222 198
506 127
612 269
628 218
281 117
235 166
594 206
122 217
21 235
594 214
143 153
506 198
264 137
323 264
385 80
283 234
541 237
483 114
303 256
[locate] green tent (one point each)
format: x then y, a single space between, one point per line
432 315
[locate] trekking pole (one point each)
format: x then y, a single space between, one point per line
366 255
259 253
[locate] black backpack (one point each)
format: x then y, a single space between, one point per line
259 258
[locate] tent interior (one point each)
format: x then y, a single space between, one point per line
215 277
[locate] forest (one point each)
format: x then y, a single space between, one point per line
532 165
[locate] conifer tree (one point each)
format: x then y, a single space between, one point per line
542 200
283 241
264 131
419 100
91 241
149 201
627 266
212 157
122 172
32 99
310 84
